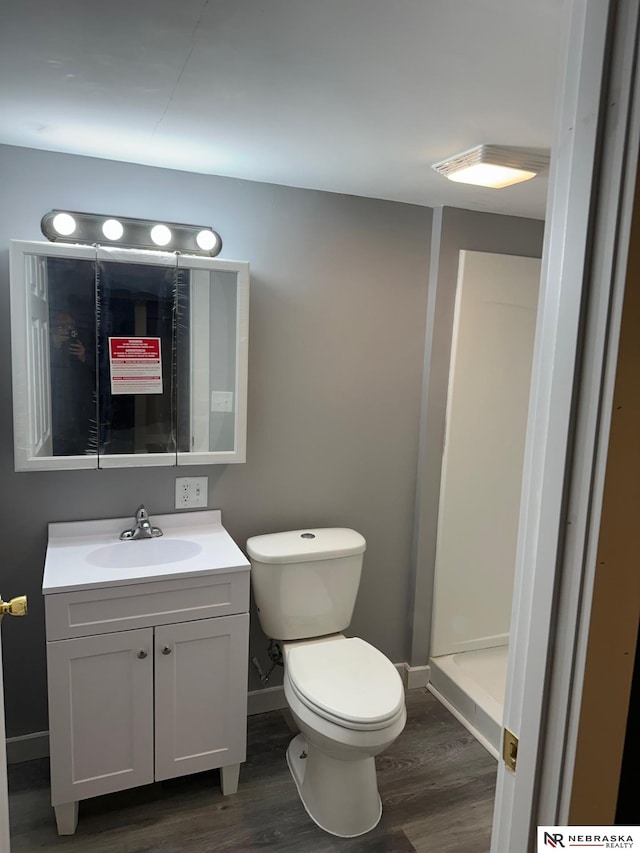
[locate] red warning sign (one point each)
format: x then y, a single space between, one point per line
135 365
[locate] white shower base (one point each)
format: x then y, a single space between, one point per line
472 686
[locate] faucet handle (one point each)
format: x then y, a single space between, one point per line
142 514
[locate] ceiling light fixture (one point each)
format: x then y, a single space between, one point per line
493 166
92 228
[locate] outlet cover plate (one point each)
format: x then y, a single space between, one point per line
222 401
191 492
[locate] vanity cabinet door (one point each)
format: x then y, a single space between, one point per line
201 695
100 714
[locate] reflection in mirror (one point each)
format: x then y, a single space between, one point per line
206 359
127 358
70 310
136 383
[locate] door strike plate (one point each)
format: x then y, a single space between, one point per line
510 749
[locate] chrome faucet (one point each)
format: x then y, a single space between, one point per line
143 528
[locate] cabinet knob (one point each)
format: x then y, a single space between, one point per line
142 654
166 650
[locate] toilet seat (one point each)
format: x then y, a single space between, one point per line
346 681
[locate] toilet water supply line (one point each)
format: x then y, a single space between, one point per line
275 656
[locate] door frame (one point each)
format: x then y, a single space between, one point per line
584 262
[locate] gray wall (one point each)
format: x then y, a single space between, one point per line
453 230
337 325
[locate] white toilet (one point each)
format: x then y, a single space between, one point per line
346 697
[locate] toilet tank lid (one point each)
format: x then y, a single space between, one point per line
301 546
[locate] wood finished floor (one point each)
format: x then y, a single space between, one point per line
436 783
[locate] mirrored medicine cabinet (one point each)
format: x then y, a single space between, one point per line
127 358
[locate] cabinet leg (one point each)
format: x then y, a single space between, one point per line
66 818
229 778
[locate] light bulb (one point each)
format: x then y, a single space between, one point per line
490 175
206 240
112 229
160 235
64 224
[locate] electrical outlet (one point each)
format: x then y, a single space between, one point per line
191 492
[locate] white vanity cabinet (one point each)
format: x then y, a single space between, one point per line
147 680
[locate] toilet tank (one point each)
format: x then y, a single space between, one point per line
305 582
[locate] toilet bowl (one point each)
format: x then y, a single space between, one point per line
346 697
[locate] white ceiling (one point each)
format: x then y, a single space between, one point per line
349 96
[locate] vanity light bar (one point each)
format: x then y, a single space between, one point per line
69 226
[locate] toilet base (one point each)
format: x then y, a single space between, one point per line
341 797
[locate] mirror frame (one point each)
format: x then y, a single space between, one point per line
21 358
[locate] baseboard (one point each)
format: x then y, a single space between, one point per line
267 699
273 699
27 747
418 676
414 676
36 745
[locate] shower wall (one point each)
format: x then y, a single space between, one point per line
453 230
492 350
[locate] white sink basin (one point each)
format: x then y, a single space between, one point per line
89 554
143 552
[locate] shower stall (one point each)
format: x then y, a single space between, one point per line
487 407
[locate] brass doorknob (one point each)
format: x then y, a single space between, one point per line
16 607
